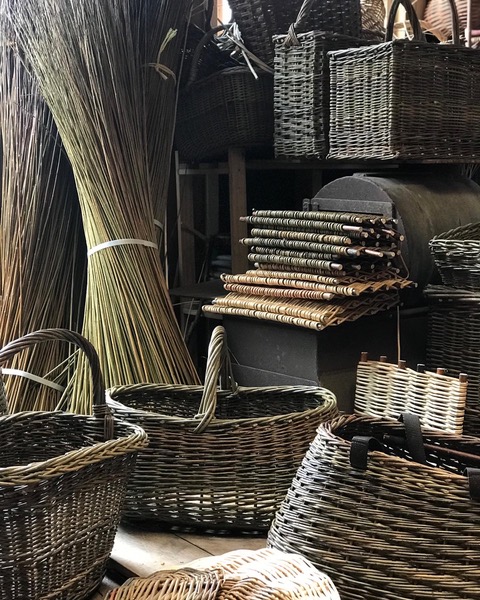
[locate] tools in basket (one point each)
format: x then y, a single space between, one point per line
63 483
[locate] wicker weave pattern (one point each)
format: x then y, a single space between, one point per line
241 575
235 473
453 333
427 108
388 390
260 20
62 487
397 530
302 93
438 16
457 256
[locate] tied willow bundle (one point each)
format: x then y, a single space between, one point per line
42 243
104 70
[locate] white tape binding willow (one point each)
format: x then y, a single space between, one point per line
110 90
43 283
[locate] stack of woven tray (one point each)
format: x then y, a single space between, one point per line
454 313
315 269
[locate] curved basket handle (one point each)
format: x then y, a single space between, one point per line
64 335
198 50
303 14
218 367
418 34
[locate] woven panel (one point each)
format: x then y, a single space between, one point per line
397 530
302 94
388 390
229 108
260 20
427 108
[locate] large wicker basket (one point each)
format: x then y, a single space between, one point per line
62 486
302 88
260 20
220 460
427 108
385 514
228 108
457 256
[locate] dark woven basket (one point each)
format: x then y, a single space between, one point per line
219 460
302 88
457 256
453 334
386 516
229 108
260 20
62 486
427 108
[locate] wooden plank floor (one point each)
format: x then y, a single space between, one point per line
141 552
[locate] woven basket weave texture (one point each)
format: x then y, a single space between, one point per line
390 528
63 483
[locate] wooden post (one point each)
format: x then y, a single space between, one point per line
185 225
238 208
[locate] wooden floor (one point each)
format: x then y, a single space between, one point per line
141 552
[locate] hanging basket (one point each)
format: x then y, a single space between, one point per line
427 108
218 459
62 486
386 512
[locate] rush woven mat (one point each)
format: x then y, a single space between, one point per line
387 390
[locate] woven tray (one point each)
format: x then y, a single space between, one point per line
218 459
409 114
457 256
63 483
387 390
389 515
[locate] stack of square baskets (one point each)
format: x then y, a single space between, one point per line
454 312
62 485
218 459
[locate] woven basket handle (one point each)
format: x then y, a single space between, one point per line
64 335
299 25
418 34
198 51
218 368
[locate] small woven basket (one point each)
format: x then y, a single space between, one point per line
226 109
218 459
302 88
260 20
428 108
386 510
388 390
62 485
457 256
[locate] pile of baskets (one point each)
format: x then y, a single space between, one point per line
454 312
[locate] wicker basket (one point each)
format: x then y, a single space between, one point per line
219 460
438 16
384 524
229 108
453 334
428 108
63 482
387 390
457 256
260 20
239 575
302 88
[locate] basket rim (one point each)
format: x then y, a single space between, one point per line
73 460
330 403
449 236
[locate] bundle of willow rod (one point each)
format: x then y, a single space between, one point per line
99 64
42 243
